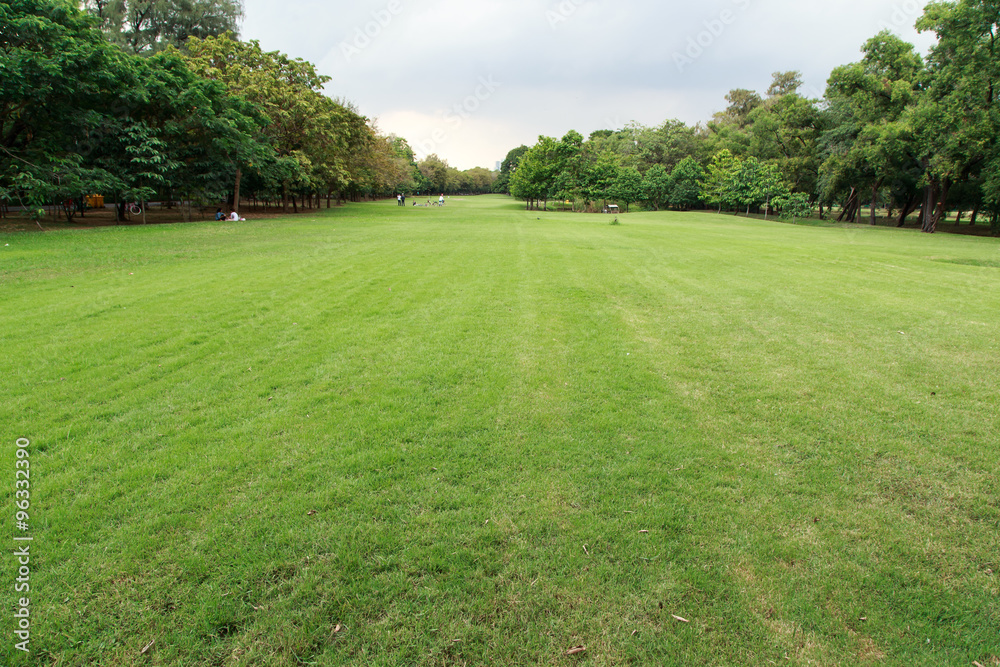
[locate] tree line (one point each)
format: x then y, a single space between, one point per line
146 99
895 131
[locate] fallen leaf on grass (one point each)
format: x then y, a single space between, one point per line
682 620
643 531
977 664
338 628
311 512
575 650
147 647
585 550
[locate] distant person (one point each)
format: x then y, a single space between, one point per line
399 200
402 200
441 200
219 215
234 216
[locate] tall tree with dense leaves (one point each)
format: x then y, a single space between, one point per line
61 84
957 120
686 183
507 169
627 186
786 130
718 185
656 186
142 26
319 141
867 144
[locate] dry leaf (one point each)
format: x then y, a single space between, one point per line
682 620
643 531
337 629
311 512
585 550
976 664
575 650
148 646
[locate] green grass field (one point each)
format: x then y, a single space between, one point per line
484 436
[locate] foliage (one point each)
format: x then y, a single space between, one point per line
686 184
657 187
793 205
142 26
79 115
719 178
507 169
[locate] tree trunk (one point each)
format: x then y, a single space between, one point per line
908 206
942 206
821 211
847 211
236 190
927 217
295 205
975 214
875 188
284 197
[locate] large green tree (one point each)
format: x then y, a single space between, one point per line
61 84
867 142
141 26
320 143
507 169
956 121
79 115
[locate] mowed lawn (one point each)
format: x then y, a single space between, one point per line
484 436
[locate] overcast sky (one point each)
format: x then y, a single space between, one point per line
472 79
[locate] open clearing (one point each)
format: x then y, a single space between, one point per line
479 435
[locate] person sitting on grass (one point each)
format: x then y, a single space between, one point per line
234 216
218 214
